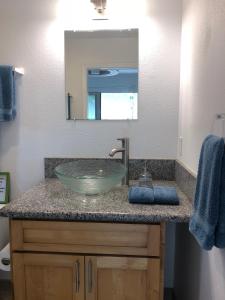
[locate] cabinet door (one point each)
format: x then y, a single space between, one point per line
122 278
48 277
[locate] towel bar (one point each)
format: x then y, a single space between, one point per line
19 71
220 116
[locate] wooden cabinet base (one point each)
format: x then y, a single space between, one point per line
48 273
120 278
48 277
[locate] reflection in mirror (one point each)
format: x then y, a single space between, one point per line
112 93
101 70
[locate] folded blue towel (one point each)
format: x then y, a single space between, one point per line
7 94
165 195
157 195
141 195
205 216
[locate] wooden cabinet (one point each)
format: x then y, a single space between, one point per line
122 278
66 277
48 277
86 261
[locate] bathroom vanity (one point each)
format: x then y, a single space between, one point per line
64 260
70 246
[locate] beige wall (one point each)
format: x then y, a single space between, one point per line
32 36
202 93
200 274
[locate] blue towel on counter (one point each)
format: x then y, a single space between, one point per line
165 195
141 195
7 94
208 203
157 195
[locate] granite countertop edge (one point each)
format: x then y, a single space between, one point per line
51 201
95 217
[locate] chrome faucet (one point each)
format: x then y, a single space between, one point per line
125 157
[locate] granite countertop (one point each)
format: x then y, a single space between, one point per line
51 201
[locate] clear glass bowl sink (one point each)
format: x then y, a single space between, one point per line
90 177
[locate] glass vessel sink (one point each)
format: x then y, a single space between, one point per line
90 177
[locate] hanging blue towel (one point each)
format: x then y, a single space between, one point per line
220 228
7 94
206 214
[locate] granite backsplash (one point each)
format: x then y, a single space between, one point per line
161 169
185 180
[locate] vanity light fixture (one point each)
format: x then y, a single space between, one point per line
102 72
100 5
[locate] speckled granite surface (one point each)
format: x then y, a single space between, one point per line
51 201
185 180
161 169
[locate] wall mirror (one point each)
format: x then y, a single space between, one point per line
101 75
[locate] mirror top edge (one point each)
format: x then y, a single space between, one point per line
107 120
103 33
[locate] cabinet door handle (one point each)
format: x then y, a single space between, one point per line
77 276
89 277
68 102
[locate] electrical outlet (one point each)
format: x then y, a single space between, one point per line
180 146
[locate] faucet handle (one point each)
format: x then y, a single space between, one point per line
123 139
125 142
